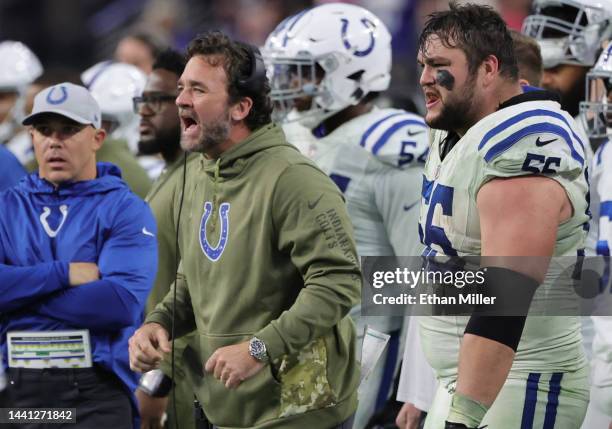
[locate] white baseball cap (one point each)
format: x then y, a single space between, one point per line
67 99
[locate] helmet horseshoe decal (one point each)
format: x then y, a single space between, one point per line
369 25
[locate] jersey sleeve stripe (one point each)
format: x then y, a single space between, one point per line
600 151
375 125
529 114
509 141
603 249
605 209
392 129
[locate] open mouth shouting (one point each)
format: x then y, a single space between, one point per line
190 126
431 99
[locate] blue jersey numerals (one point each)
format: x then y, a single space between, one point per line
443 196
540 164
406 155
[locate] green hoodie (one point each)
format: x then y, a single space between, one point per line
275 259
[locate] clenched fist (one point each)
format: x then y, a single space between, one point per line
233 364
147 347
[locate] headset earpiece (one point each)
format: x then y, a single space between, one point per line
256 79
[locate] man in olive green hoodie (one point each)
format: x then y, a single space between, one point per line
160 133
269 268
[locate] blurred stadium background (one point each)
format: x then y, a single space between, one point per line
70 35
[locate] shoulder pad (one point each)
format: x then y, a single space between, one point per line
538 141
397 138
603 154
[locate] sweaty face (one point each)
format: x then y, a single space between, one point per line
447 85
160 126
65 150
203 104
567 80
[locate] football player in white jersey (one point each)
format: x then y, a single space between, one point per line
596 112
417 383
505 177
19 67
570 33
327 65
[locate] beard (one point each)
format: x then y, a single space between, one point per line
163 141
212 134
458 110
570 100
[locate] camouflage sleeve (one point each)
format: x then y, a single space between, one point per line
313 228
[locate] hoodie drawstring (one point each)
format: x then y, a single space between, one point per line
214 202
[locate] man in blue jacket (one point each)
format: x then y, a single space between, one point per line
78 257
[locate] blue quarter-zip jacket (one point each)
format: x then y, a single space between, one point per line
43 229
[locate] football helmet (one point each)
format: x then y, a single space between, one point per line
569 31
596 110
19 67
331 56
113 85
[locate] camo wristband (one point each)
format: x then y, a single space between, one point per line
465 410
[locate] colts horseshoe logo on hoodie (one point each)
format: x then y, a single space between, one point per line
45 214
214 253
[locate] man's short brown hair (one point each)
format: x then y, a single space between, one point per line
528 57
237 63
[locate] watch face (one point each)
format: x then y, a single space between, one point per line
257 349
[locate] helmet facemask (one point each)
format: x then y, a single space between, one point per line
325 59
568 31
301 88
596 112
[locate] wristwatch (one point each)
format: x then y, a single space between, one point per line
257 349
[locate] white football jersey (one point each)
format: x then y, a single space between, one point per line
376 160
602 342
21 146
533 137
300 137
602 190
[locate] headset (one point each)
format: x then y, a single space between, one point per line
256 80
254 83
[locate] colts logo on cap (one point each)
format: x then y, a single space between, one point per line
214 253
63 96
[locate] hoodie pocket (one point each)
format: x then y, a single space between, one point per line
304 383
253 402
